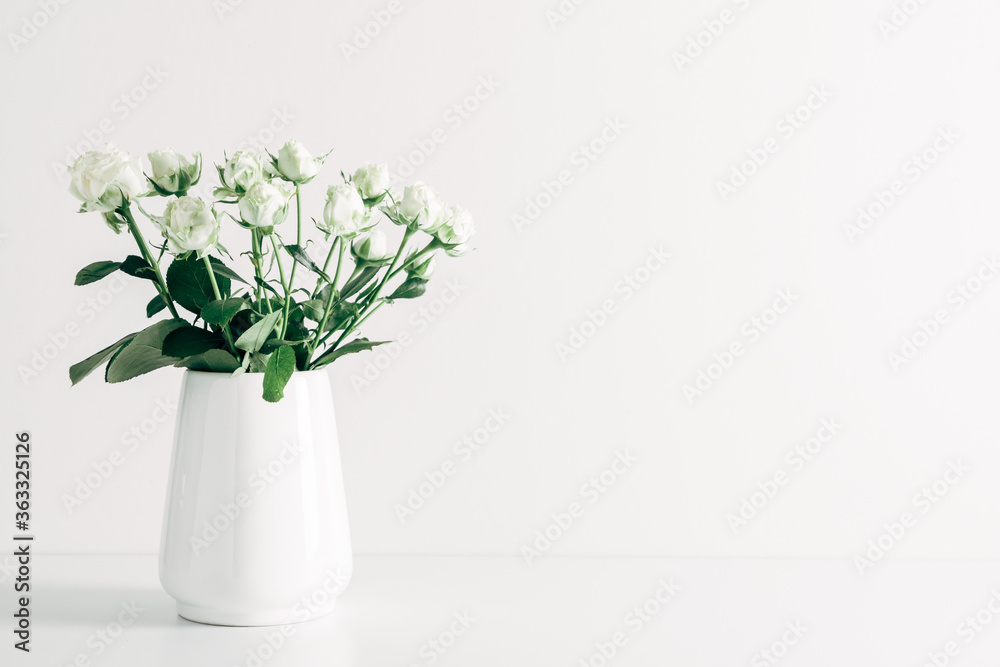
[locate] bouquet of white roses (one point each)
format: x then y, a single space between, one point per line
267 324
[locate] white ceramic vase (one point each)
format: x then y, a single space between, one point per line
255 526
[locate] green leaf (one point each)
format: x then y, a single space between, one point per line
359 281
313 309
266 285
221 269
300 256
84 368
190 285
220 311
280 367
94 272
155 305
142 354
371 202
356 345
410 289
255 337
138 267
341 315
188 341
215 361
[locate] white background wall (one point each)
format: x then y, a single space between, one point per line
276 71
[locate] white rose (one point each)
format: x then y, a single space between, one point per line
456 231
100 179
372 180
264 205
421 206
296 163
423 270
242 171
173 172
345 213
372 248
189 224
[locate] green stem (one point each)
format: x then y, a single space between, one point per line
353 327
337 243
298 236
417 256
367 310
328 334
392 267
329 255
284 285
218 295
161 285
255 248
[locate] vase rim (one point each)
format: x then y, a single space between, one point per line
248 374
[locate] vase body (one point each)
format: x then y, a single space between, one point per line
255 526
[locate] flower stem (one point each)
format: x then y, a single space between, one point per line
284 285
368 309
255 250
218 295
393 270
161 285
298 236
337 243
417 256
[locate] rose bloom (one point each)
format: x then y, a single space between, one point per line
371 179
457 230
264 205
242 171
189 224
345 213
106 180
296 163
421 206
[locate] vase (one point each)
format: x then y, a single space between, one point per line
255 527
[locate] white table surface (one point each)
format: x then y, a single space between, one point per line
552 613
